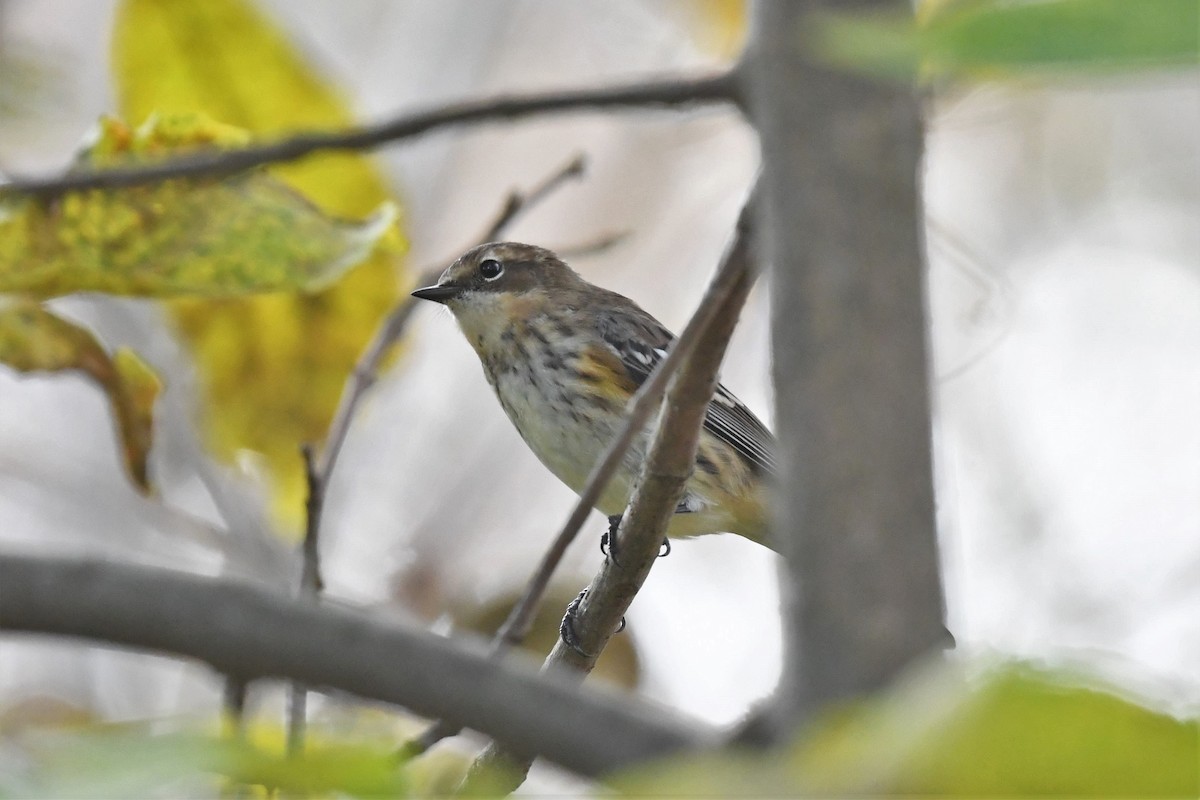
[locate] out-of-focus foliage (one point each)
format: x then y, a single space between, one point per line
243 234
32 339
131 761
996 39
1013 732
273 367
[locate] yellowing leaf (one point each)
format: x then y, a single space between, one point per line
32 339
1015 733
273 367
244 234
131 761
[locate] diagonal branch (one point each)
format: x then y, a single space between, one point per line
679 92
244 630
667 468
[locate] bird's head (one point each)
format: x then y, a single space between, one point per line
500 268
499 280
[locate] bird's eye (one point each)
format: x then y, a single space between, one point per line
490 269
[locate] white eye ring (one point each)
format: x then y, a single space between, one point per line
490 269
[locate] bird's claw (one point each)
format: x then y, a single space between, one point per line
608 542
566 628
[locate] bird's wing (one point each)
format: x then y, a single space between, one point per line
641 342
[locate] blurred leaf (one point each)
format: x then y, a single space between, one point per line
1015 732
437 773
130 761
122 762
998 38
273 367
32 339
244 234
354 769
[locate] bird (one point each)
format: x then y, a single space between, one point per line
565 356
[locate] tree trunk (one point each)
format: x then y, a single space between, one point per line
843 232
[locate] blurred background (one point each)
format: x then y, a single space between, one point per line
1064 288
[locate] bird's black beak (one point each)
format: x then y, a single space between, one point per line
439 293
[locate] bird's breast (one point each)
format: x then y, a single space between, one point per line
554 387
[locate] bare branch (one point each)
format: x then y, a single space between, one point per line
518 201
311 585
233 700
670 93
598 245
244 630
665 473
311 582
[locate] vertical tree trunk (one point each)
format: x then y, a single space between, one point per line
843 231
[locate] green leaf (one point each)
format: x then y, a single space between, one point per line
272 367
354 769
129 761
995 38
244 234
32 339
1014 731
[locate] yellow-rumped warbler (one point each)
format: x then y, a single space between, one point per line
565 357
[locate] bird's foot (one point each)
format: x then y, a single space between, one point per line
608 542
566 628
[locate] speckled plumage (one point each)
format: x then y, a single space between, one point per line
564 357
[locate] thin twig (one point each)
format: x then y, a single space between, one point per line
600 244
518 201
311 582
234 701
664 476
668 93
311 585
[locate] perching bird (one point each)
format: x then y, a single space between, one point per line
564 357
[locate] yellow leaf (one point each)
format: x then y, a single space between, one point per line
244 234
32 339
273 367
97 762
1013 732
